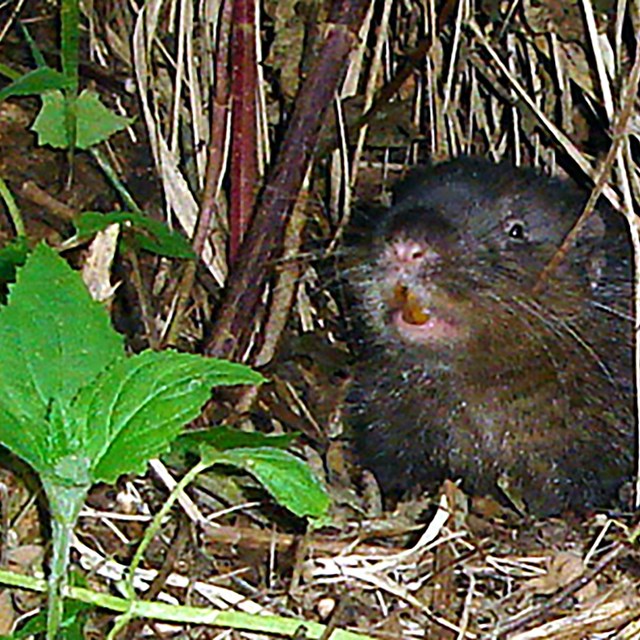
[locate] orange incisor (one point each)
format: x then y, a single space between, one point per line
413 311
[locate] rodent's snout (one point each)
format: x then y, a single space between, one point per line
408 251
408 255
419 310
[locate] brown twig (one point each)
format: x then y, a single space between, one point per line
218 123
249 538
31 191
536 613
602 175
215 168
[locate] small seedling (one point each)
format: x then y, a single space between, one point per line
69 119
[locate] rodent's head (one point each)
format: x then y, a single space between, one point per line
456 259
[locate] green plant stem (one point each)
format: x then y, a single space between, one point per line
65 504
69 49
156 523
116 183
70 43
38 58
151 531
160 611
7 72
12 208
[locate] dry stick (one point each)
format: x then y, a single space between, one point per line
218 125
286 283
218 122
249 538
244 123
232 330
215 167
413 60
601 180
602 174
144 299
554 132
31 191
375 71
536 613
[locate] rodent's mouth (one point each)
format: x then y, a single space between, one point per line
434 330
418 322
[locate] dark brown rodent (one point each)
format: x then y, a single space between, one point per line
467 369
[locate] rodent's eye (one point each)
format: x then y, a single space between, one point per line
516 230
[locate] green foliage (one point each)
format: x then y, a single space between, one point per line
35 82
53 339
144 232
74 407
67 120
70 400
223 438
12 255
286 477
12 208
79 411
94 122
282 474
137 407
72 625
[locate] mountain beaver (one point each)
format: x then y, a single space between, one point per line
468 368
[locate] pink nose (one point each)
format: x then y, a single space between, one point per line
408 251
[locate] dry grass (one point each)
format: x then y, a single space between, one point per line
550 84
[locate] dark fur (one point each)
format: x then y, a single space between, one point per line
539 396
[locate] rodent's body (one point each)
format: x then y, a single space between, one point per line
469 367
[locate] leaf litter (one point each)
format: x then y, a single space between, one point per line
510 80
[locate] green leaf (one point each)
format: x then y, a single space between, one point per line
73 621
35 82
94 122
223 438
53 339
149 234
133 411
287 478
23 434
50 123
12 255
75 408
7 72
37 55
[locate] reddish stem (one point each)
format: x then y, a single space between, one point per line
265 236
244 153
